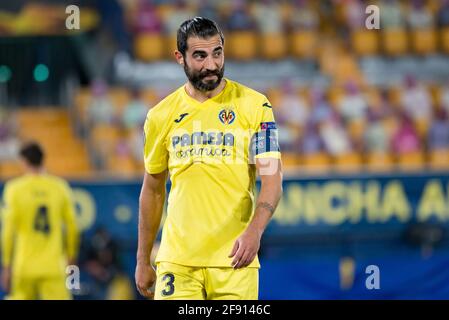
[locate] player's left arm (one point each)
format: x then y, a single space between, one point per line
72 232
247 245
264 149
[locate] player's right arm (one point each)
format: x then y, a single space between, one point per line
151 201
151 204
9 221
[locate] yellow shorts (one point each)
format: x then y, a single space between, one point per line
177 282
23 288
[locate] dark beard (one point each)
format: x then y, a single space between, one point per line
196 78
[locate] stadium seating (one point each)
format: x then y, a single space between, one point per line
242 45
304 44
273 46
444 39
170 46
337 56
422 127
395 42
365 42
379 162
67 155
424 41
290 159
439 159
10 169
316 162
348 162
411 161
149 46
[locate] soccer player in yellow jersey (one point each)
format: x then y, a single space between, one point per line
39 232
211 135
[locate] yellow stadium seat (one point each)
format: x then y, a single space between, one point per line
120 97
373 96
105 132
68 166
439 159
316 162
149 46
436 92
348 162
149 97
82 101
304 43
444 39
379 162
356 128
422 127
335 94
42 117
365 42
394 95
424 41
121 165
105 138
10 169
395 41
411 161
273 46
140 167
290 159
51 127
242 45
274 94
347 69
170 46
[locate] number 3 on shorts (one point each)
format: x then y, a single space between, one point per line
169 286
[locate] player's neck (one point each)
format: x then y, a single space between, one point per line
202 96
35 171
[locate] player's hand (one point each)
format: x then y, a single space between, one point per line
6 279
245 248
145 279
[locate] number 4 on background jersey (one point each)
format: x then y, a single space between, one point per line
41 223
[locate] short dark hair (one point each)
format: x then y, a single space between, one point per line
32 153
198 26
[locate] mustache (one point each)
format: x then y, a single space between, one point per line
210 73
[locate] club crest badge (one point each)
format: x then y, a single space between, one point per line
226 116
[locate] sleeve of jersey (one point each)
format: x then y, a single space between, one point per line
8 226
264 142
155 152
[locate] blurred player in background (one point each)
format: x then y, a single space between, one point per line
213 229
39 232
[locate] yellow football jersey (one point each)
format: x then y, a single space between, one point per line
39 231
209 150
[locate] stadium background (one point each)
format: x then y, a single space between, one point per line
362 117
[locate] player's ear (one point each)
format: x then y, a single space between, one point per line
179 57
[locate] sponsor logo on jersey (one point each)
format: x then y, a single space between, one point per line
203 138
267 105
181 117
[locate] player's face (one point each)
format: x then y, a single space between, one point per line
204 62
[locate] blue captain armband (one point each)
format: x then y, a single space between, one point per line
266 140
